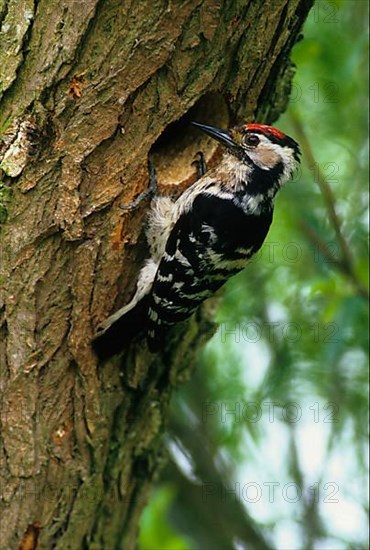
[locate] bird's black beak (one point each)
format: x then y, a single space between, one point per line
219 135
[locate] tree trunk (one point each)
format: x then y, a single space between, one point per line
86 90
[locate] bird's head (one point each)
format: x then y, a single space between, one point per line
257 144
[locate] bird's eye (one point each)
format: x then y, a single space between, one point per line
252 140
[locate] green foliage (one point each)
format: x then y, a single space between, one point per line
157 532
293 327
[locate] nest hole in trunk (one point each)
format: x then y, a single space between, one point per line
175 150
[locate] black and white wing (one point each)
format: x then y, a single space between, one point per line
208 244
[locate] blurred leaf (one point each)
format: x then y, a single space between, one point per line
155 532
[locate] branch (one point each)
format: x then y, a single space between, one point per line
345 263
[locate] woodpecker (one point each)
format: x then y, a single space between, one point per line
206 236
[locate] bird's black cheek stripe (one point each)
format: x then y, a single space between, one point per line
264 180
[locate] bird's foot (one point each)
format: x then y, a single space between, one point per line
200 164
150 192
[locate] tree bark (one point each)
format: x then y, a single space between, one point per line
87 88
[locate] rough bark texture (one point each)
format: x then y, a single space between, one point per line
99 81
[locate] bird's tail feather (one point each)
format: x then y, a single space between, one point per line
120 332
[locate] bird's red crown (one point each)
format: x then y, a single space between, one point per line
266 130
